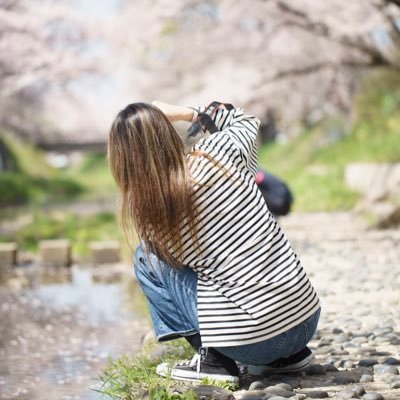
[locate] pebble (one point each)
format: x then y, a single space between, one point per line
381 339
379 353
359 390
347 394
341 338
395 341
285 386
339 352
278 391
359 340
343 380
395 385
373 396
274 398
367 349
329 368
323 350
383 331
338 364
337 331
256 385
348 364
392 378
367 362
380 369
324 342
254 395
318 394
392 361
315 369
299 396
215 393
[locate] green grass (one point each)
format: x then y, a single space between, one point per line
130 377
313 164
93 174
33 181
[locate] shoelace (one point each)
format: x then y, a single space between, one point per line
196 359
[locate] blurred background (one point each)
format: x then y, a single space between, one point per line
323 77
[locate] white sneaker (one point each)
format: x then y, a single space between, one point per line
196 370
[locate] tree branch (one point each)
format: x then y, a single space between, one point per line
322 30
323 65
394 2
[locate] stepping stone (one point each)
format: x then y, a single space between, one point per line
8 255
55 253
105 252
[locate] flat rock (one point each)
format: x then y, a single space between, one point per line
341 338
275 398
339 352
395 341
210 392
392 378
395 385
337 331
348 364
256 385
343 380
318 394
254 395
347 394
373 396
359 390
380 369
285 386
278 391
329 368
367 362
391 361
366 378
299 396
315 369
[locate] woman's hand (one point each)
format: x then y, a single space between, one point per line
174 113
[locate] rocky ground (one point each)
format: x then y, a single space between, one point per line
356 272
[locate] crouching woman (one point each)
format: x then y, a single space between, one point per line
213 262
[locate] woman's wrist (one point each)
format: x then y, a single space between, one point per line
173 112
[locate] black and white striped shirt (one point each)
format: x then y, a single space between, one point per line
251 284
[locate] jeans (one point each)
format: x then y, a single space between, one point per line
171 294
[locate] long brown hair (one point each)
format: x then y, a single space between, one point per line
147 159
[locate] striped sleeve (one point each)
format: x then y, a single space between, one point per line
242 130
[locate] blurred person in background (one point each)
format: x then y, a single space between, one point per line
276 193
213 262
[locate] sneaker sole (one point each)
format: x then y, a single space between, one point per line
165 369
262 369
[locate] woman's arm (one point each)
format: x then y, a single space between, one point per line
173 112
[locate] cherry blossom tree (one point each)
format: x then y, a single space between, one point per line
42 48
304 58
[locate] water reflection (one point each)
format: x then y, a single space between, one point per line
59 328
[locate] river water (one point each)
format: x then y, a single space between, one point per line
59 327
